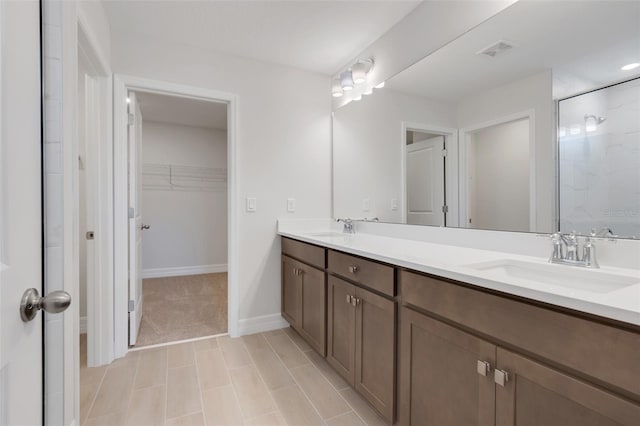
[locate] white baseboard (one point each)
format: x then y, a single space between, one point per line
83 325
180 271
261 323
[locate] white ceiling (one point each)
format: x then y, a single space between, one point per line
584 43
319 36
183 111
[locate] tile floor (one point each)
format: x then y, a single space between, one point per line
180 308
271 378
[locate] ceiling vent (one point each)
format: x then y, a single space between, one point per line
496 48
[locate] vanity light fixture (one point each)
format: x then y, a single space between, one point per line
630 67
346 80
360 70
336 88
380 86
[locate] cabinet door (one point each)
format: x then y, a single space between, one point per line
535 394
290 292
441 382
341 321
376 351
313 320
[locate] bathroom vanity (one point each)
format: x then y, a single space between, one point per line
428 343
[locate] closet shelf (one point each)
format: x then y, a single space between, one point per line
173 177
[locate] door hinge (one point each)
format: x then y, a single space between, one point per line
445 209
131 119
132 305
444 152
132 212
90 235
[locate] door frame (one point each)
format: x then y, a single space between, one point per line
465 140
121 85
99 319
451 167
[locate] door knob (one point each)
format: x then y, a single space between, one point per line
54 302
143 227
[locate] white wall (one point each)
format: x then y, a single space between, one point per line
283 137
500 179
188 228
531 93
367 150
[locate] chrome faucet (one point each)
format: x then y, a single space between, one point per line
348 226
570 254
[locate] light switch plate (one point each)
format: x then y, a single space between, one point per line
291 205
366 204
394 204
251 204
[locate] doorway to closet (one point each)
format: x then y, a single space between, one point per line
178 253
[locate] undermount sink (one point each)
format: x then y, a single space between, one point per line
547 276
327 234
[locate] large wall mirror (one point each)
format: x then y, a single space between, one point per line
530 122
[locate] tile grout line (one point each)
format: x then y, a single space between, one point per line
195 360
337 391
93 400
126 412
233 388
293 377
255 366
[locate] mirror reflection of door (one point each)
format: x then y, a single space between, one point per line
425 179
498 173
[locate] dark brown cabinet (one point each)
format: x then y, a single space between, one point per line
361 342
304 301
536 394
452 377
445 374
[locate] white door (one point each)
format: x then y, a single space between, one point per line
135 218
21 350
425 182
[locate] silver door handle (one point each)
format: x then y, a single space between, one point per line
54 302
143 227
483 368
501 377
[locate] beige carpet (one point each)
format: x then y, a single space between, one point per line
178 308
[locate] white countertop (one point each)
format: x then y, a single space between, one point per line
620 302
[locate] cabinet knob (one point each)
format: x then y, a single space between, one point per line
501 377
353 269
483 368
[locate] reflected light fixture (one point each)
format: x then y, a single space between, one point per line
336 88
368 91
380 86
346 80
591 122
360 70
357 98
630 67
128 100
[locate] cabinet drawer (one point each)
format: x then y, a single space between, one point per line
368 273
308 253
605 353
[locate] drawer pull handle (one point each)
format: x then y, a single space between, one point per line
354 301
500 377
353 269
483 368
348 298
